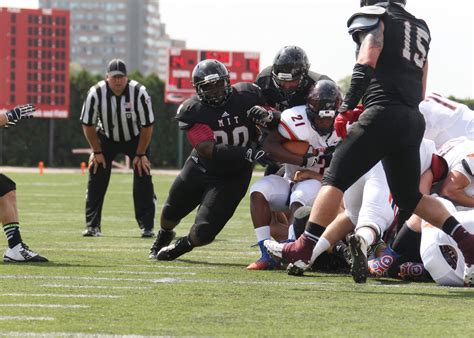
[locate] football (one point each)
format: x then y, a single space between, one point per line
296 147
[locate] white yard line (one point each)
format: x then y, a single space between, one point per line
58 295
159 266
148 272
24 318
70 334
94 286
59 306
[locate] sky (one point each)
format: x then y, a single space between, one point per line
319 27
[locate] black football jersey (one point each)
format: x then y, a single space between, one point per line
276 99
229 122
399 72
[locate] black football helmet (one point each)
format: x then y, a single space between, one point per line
212 83
374 2
323 100
290 70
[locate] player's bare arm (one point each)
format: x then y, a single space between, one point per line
371 45
273 145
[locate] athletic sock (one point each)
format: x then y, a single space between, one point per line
454 229
367 233
314 231
12 231
321 246
407 243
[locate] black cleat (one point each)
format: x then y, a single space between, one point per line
92 232
148 233
163 238
173 251
358 249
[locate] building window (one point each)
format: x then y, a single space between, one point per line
13 30
12 98
13 53
12 76
12 64
12 87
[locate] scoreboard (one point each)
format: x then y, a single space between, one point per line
34 60
242 66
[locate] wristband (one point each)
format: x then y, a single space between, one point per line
140 155
97 152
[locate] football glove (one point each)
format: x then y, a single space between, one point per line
263 116
255 153
19 112
346 117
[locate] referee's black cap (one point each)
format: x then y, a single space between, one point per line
117 67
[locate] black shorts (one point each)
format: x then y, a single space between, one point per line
216 196
392 134
6 185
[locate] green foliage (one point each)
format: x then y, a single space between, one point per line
28 144
108 286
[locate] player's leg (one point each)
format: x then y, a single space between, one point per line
17 251
220 200
266 195
184 196
97 185
355 155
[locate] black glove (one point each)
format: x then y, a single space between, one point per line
20 112
255 153
262 116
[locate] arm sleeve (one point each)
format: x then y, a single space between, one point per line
199 133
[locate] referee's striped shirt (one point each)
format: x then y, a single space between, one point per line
120 118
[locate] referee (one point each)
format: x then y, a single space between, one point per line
117 118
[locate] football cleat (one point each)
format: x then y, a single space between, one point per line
299 250
414 272
264 264
469 275
147 233
163 238
21 253
297 268
92 232
274 249
173 251
379 266
358 249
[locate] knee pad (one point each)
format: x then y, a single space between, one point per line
169 213
6 185
202 234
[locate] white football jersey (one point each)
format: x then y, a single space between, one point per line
295 125
427 149
446 119
454 152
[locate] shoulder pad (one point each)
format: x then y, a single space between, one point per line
188 113
294 124
367 18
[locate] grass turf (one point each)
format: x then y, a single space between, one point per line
108 286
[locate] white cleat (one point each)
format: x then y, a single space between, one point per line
274 249
21 253
469 275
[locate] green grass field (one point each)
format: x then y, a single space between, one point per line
108 286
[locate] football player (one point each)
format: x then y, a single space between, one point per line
216 175
285 84
311 123
17 251
446 119
458 187
390 77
